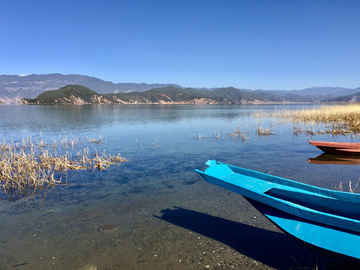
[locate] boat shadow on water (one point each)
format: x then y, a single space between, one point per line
271 248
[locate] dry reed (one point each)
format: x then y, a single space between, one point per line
339 119
238 134
264 131
351 189
27 168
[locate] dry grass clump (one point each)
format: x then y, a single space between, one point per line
28 167
333 129
299 130
98 141
238 134
340 119
264 131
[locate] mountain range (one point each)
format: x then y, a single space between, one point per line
80 95
13 88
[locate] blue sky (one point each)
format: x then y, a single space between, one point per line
253 44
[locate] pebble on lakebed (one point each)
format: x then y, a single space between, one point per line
108 228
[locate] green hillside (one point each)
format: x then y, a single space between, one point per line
65 95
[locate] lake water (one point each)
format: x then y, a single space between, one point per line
166 216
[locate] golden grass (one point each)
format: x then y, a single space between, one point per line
28 167
339 119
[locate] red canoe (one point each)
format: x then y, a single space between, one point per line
352 149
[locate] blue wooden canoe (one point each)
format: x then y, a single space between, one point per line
327 219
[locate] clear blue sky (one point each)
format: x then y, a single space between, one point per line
255 44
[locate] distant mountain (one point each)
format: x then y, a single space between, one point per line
354 98
13 87
232 95
325 92
80 95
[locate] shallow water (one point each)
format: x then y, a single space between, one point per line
167 217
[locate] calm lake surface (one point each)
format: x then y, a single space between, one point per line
166 216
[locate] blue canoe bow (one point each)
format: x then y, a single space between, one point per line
327 219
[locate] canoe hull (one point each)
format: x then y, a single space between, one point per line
343 244
351 149
312 214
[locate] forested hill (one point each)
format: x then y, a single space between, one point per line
70 94
80 95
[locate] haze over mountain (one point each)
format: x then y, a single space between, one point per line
13 88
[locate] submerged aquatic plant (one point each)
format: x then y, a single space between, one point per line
29 168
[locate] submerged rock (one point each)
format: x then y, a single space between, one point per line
20 263
108 228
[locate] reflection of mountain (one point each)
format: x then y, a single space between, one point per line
335 159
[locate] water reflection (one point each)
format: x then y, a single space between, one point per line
335 159
72 119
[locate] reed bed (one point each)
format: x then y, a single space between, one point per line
27 168
339 119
